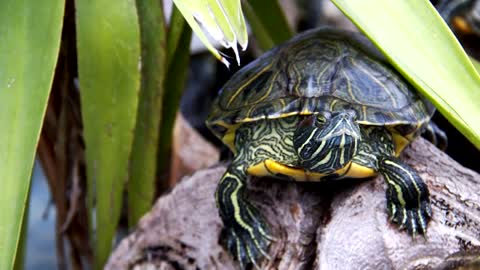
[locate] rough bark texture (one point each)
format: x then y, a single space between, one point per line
190 151
336 225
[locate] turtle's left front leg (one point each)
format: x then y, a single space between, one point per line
407 195
246 234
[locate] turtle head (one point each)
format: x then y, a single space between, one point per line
327 141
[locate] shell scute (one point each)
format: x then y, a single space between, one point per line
321 70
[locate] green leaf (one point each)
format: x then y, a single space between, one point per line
22 243
476 64
108 42
143 160
174 85
269 24
262 37
30 33
175 29
419 44
222 19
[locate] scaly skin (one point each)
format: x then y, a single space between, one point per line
246 233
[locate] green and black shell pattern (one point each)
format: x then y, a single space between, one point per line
320 70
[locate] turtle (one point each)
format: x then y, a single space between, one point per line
461 15
324 105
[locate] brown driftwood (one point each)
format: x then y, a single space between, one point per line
190 151
338 225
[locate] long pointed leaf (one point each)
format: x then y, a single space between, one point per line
108 42
29 42
222 19
476 64
419 44
268 20
174 85
143 162
175 28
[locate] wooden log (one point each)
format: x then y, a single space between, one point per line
332 225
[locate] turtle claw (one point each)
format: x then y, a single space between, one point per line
413 219
407 196
247 237
246 246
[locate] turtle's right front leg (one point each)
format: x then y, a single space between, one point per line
245 233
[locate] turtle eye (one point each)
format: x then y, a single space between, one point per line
323 117
321 120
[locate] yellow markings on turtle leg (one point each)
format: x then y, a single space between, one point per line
224 197
236 206
413 223
398 189
252 258
238 247
260 229
237 212
423 224
404 220
394 211
410 177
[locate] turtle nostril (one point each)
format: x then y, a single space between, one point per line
352 114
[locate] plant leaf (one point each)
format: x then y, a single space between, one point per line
108 42
419 44
268 22
30 33
222 19
262 37
476 64
175 29
174 85
143 160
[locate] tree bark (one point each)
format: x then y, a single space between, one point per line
332 225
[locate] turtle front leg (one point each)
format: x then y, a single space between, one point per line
407 195
245 234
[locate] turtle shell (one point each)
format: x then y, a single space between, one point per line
323 69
